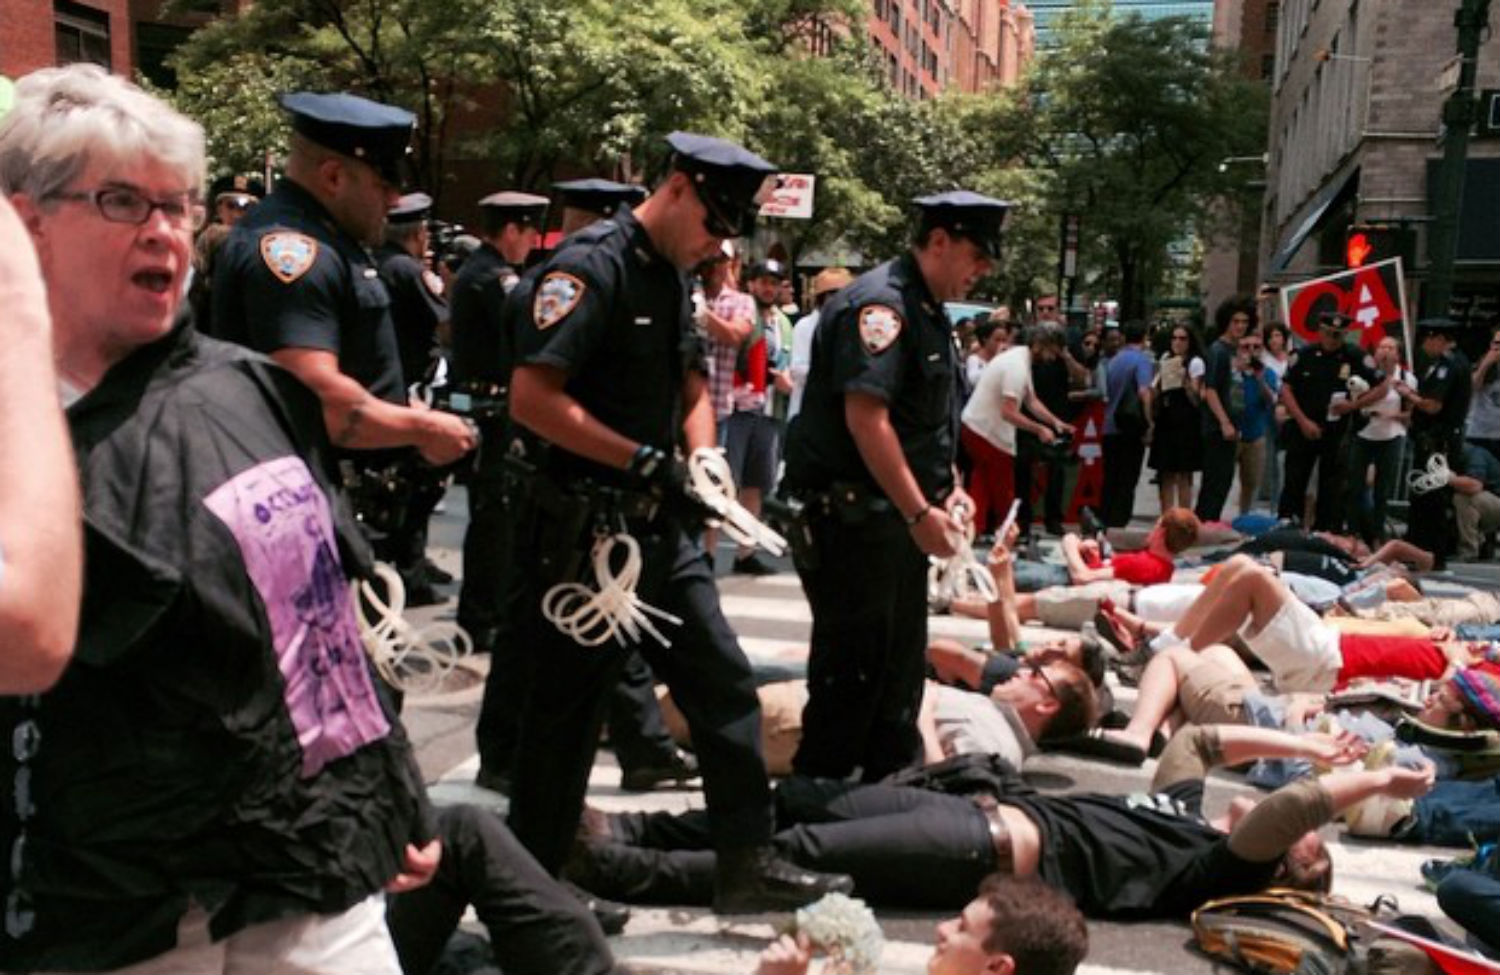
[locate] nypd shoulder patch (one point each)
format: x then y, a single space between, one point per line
879 327
557 295
288 255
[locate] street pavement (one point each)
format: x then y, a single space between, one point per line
772 619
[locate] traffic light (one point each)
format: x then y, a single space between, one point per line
1371 243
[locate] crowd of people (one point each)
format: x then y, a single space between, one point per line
210 775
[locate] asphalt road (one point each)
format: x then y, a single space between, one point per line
772 620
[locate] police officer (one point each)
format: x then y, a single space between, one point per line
417 304
297 281
609 375
585 201
871 455
510 227
1439 409
1317 395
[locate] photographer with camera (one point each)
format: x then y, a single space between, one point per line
993 416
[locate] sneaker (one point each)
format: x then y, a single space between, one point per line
1482 859
751 565
1054 528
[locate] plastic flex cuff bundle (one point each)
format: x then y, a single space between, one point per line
711 480
612 612
1435 476
962 576
411 659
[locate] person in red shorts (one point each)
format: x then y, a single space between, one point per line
1302 652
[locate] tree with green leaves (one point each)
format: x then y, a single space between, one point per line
1131 118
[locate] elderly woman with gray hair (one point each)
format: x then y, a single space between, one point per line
215 783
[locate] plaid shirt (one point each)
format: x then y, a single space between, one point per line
731 305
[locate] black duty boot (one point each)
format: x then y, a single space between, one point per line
611 915
754 880
677 768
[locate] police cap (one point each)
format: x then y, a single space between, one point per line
371 132
731 180
1335 321
510 206
244 190
966 214
1438 325
602 196
409 209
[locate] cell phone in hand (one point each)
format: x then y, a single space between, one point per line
1010 519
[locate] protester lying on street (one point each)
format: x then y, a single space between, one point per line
1139 856
1087 560
1014 927
1302 651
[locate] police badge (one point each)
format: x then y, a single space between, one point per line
288 255
556 296
879 327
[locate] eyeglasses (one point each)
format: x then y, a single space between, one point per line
122 204
1038 670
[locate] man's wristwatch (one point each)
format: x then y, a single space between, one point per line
916 519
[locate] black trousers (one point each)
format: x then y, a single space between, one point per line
867 587
1328 453
534 924
1123 457
488 607
904 847
569 685
1218 475
1028 455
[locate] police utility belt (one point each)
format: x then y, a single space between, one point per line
848 501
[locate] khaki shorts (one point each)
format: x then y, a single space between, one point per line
1301 650
1211 693
1069 607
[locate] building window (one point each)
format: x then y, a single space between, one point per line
82 34
154 43
1273 16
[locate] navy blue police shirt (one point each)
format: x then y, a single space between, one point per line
290 277
884 336
417 309
1316 374
479 341
616 317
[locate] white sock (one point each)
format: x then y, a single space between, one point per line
1166 638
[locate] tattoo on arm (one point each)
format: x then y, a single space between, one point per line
352 420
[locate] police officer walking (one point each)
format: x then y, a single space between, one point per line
1440 407
871 456
510 227
610 376
1316 392
297 281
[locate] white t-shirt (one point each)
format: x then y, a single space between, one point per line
1008 375
1385 413
802 343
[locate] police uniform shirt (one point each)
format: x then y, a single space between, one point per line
1316 374
616 318
479 292
885 336
1448 380
417 308
289 277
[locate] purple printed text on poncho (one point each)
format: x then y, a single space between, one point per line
280 519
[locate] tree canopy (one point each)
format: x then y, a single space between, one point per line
1124 122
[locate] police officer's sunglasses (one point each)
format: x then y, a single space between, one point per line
124 204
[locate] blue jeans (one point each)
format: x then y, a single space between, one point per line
1455 811
1035 576
1473 900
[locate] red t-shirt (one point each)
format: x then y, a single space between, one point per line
1389 656
1141 568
